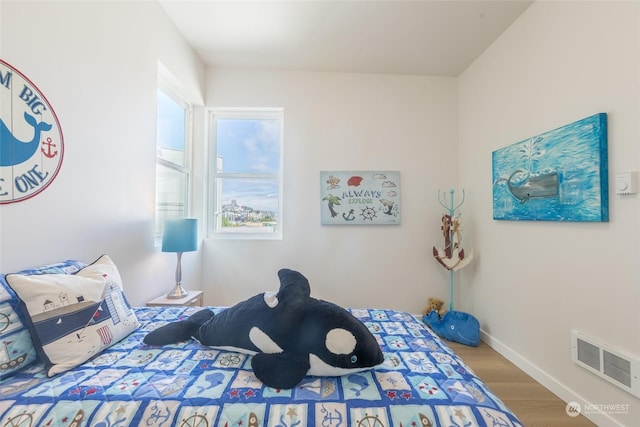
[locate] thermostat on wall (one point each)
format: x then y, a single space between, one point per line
626 182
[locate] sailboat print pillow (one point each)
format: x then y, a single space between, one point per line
75 316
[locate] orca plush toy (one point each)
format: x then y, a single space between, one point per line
289 333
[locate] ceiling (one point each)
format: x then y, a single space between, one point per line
428 37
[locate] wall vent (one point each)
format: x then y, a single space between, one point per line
606 362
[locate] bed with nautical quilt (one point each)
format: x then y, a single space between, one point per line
125 382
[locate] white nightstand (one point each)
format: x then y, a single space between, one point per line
195 298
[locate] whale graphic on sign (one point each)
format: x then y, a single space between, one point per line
12 150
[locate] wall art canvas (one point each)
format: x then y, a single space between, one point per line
560 175
360 197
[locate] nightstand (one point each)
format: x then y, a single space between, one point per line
195 298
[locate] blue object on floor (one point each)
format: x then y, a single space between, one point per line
455 326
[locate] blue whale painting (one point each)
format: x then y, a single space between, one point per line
12 150
559 175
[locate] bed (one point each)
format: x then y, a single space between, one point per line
421 383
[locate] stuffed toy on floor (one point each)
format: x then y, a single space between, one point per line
289 333
434 304
455 326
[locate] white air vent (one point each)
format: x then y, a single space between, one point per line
606 362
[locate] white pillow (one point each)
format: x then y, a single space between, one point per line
75 316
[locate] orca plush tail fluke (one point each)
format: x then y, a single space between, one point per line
181 330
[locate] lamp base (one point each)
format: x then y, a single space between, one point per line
178 292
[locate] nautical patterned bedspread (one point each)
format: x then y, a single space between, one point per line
421 383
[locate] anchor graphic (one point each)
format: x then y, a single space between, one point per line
349 216
157 416
329 418
49 144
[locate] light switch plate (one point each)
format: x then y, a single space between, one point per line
626 182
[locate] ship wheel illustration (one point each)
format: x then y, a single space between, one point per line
370 421
4 322
368 213
195 421
230 360
22 420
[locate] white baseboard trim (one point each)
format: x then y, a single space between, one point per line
550 383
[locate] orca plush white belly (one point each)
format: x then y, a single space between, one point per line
289 334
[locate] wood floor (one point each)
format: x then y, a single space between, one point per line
534 405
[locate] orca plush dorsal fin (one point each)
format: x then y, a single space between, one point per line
293 286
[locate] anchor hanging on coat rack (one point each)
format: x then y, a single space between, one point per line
453 325
452 256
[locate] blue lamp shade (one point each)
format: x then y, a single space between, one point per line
180 235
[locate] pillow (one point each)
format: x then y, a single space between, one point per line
73 317
16 346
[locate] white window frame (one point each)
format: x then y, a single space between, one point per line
185 169
214 210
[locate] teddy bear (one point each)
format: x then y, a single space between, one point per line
434 304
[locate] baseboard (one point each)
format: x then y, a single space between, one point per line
547 381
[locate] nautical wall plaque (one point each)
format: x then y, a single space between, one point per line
360 197
31 142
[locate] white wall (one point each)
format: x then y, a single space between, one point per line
345 122
102 86
535 282
96 62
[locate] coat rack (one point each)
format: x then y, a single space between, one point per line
452 256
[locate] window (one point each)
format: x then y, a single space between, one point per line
172 158
245 166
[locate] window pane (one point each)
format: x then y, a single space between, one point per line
248 205
171 194
171 129
248 145
246 176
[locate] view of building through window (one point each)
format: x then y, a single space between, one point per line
247 180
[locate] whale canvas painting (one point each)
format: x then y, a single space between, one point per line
559 175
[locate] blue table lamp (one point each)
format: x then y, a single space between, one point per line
180 235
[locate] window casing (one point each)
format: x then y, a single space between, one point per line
245 173
173 165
